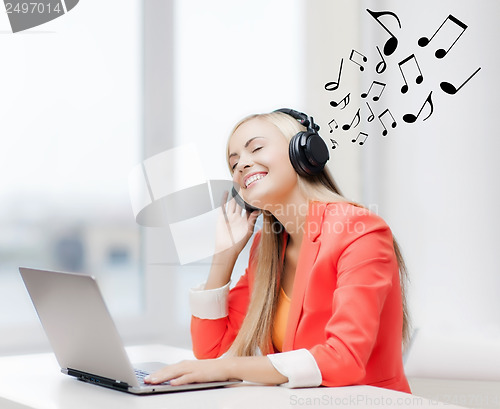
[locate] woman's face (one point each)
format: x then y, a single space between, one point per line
258 155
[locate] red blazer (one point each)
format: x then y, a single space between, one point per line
346 306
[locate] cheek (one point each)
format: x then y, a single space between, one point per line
283 166
277 156
237 181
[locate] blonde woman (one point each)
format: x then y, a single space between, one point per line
322 300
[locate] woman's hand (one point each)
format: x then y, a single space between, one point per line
250 368
234 227
208 370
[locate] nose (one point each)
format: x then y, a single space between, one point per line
244 162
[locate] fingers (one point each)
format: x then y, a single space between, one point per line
224 198
233 206
184 379
168 373
187 372
252 217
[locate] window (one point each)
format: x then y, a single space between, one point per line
92 94
71 131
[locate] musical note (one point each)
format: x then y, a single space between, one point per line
381 66
332 86
361 68
441 53
418 79
363 141
410 118
334 143
346 127
344 100
330 125
450 88
392 43
372 116
393 124
376 97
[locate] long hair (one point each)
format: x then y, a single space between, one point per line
256 328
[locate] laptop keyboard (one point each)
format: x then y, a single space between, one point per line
140 375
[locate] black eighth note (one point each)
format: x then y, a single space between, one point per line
356 119
392 43
411 118
451 89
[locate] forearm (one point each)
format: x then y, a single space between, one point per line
257 369
292 369
221 269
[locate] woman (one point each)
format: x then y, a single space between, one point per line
322 300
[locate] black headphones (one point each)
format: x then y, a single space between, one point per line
308 151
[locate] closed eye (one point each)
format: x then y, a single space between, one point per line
253 151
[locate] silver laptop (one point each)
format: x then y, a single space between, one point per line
84 337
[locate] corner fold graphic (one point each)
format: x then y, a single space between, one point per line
70 4
24 15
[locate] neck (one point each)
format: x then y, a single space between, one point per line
292 214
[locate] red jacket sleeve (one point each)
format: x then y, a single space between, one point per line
212 338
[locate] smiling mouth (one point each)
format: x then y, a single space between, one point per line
253 179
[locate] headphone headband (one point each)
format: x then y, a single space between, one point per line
304 120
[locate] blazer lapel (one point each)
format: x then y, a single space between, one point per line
307 256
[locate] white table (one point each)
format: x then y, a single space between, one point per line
35 381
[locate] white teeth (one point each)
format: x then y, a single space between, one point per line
254 178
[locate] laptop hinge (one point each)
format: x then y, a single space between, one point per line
95 379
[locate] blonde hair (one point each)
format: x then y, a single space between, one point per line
256 328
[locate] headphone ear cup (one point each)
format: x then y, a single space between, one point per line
316 153
308 153
297 157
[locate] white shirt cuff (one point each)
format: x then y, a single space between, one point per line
209 304
299 367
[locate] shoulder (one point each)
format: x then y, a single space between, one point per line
353 231
346 211
349 220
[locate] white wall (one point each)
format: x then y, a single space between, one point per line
435 181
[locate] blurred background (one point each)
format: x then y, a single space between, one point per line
88 96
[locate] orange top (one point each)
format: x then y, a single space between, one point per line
280 320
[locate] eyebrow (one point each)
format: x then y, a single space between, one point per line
246 145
